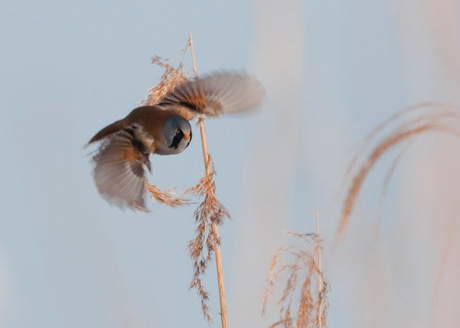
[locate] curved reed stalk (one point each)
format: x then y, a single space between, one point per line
440 117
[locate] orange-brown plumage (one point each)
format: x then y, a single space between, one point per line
163 129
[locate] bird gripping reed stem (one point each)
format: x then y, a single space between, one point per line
215 230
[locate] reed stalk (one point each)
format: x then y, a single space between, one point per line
429 117
214 227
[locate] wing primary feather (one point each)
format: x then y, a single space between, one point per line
119 171
219 93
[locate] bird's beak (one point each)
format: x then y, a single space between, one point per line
187 136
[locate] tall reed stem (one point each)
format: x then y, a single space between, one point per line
215 229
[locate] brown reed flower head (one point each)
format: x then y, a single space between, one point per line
301 284
417 120
209 214
167 197
171 78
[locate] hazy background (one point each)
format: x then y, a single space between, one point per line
332 70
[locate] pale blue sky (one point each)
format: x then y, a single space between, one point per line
333 70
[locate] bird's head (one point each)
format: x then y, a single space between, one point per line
177 134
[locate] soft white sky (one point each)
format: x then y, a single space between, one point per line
333 70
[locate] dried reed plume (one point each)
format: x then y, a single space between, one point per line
436 117
167 197
171 78
210 213
302 274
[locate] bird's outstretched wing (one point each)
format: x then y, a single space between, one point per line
119 170
217 94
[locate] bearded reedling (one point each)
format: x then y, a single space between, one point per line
163 129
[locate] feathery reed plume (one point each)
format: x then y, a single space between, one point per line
210 212
439 117
208 215
302 273
171 78
167 197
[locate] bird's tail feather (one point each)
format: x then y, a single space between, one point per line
108 130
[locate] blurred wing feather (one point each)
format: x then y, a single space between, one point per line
218 94
119 171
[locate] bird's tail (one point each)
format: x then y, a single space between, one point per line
108 130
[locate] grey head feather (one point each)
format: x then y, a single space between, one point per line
173 132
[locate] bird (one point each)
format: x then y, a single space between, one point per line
122 158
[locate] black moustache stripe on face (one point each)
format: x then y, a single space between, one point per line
177 139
